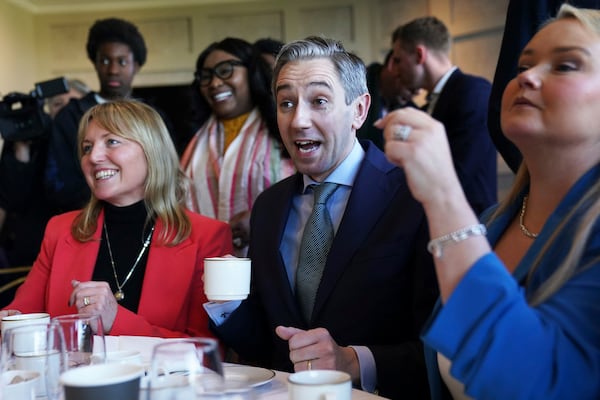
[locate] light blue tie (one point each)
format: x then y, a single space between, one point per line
316 241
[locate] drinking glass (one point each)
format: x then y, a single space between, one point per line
191 369
40 348
84 339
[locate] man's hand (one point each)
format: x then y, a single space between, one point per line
316 349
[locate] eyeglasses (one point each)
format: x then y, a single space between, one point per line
222 70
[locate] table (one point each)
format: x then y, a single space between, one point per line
274 390
277 390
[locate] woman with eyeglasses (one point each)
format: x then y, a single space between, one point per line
237 151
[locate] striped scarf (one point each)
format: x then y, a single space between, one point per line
227 184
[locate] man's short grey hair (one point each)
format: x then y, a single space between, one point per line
350 68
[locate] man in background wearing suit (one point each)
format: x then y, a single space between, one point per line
376 286
387 94
421 58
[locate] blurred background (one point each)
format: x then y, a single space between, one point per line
44 39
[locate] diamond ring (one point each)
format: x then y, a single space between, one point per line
401 132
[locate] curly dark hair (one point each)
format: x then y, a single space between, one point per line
259 80
115 30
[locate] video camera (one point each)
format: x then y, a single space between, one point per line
22 116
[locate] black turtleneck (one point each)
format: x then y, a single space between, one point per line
126 232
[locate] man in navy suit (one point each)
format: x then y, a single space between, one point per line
377 286
421 58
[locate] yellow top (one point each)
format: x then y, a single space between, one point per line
232 127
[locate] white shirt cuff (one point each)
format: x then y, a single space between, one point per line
368 368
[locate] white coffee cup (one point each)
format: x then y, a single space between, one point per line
20 384
27 342
320 385
12 321
226 278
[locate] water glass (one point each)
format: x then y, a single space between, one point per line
39 348
84 338
191 369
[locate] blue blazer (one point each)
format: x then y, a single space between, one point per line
462 108
503 348
377 289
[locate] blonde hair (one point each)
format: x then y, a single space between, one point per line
590 201
165 185
590 18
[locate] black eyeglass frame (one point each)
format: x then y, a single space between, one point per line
212 72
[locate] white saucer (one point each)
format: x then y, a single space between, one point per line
254 376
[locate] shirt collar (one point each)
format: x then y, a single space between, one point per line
100 99
440 84
346 172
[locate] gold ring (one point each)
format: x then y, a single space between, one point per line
86 301
309 365
401 132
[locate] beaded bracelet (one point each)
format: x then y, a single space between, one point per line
436 246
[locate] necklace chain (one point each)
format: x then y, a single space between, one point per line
119 294
525 231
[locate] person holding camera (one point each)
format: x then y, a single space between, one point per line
21 172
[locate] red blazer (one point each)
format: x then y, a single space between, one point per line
172 292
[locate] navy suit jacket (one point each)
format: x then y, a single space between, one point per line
377 289
462 108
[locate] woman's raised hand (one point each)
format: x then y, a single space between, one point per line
418 143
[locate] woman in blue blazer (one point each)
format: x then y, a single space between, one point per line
521 321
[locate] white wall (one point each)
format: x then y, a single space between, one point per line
17 50
176 35
44 46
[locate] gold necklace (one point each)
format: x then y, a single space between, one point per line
119 294
525 231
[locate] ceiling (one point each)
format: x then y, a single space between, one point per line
66 6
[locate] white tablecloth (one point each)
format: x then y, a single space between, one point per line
273 390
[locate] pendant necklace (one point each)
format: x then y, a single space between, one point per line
119 294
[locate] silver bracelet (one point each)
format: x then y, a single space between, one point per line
436 246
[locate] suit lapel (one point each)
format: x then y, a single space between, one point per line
73 260
173 285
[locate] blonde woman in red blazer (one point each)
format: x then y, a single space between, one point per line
134 255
